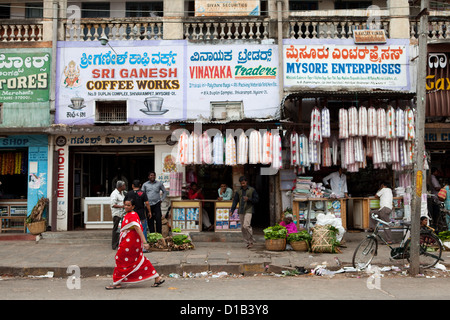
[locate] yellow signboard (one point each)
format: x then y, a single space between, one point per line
224 8
419 180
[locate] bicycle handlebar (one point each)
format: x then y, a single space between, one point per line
375 217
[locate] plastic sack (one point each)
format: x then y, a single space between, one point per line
324 219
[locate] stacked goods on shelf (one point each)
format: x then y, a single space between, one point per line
317 190
302 187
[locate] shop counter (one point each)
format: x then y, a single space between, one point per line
363 205
13 213
187 215
304 210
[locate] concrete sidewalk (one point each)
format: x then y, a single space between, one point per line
91 251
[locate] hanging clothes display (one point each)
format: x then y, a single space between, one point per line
326 128
304 151
334 150
254 147
381 121
315 130
294 148
352 122
277 161
390 123
326 153
362 121
372 130
182 152
359 149
400 123
343 123
409 125
205 149
267 148
242 157
218 149
230 151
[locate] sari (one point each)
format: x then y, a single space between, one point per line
131 264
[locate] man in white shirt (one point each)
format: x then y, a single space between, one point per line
338 182
384 213
117 211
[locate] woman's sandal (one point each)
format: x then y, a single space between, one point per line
157 284
113 287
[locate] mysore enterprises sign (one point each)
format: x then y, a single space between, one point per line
346 65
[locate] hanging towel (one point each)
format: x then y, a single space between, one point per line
409 125
400 123
294 144
377 152
230 151
315 133
277 162
267 148
334 150
343 158
205 149
242 149
362 121
352 122
372 130
326 128
381 121
254 147
326 153
343 123
390 123
182 152
304 151
218 149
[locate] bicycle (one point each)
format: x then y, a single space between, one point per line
441 223
430 250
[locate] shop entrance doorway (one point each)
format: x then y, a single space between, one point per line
95 171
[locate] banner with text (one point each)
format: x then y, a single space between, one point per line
346 65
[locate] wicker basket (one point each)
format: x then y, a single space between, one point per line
36 228
276 244
299 245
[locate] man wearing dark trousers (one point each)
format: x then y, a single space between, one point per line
156 193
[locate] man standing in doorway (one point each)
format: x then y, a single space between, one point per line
117 211
140 203
247 197
153 190
338 183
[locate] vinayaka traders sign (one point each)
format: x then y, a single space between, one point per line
347 65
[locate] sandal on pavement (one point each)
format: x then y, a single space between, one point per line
157 284
113 287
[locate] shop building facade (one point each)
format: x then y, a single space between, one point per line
127 75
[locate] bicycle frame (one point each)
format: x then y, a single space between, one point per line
376 234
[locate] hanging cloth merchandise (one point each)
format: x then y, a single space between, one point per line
230 151
205 149
254 147
381 121
182 152
267 148
242 149
315 133
343 158
314 152
359 149
369 147
277 162
326 153
400 123
377 152
304 151
326 128
390 123
372 130
402 151
409 125
343 123
352 122
334 150
196 148
349 151
218 149
295 152
362 121
386 151
395 153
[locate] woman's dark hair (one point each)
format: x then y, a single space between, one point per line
131 200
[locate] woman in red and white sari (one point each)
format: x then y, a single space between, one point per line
131 264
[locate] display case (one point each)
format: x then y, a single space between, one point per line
97 213
223 220
305 210
361 211
186 215
13 214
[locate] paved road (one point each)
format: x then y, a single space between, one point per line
261 287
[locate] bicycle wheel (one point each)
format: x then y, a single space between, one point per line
430 250
364 253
